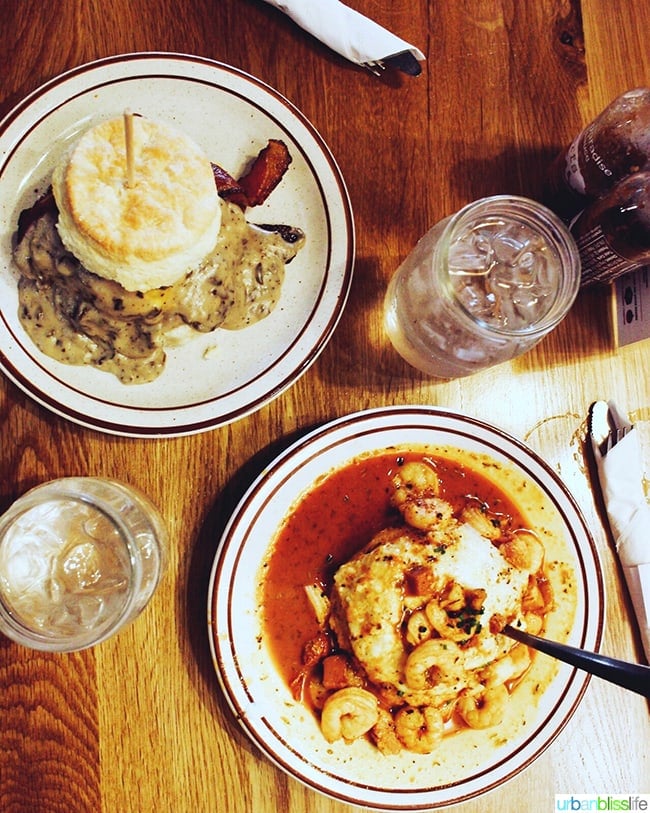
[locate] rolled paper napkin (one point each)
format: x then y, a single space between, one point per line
620 472
344 30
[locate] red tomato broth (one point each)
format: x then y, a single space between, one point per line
332 522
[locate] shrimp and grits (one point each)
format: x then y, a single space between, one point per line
385 592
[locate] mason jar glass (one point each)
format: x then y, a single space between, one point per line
482 287
80 557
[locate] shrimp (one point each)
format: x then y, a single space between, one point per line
509 667
457 613
418 628
485 708
384 735
534 623
524 551
451 629
486 524
425 512
349 713
419 729
436 660
416 496
414 478
452 597
314 650
533 599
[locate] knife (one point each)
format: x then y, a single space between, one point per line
607 426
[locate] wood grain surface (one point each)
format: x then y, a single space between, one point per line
139 723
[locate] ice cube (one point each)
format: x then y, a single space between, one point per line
470 354
508 248
100 527
80 567
92 568
477 299
27 557
86 611
471 253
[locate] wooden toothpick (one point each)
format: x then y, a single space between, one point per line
128 139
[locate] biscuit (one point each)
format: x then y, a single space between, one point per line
148 234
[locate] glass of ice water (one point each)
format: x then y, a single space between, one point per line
482 287
80 557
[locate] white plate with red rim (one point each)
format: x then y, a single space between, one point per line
282 728
225 375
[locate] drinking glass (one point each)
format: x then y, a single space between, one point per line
482 287
80 557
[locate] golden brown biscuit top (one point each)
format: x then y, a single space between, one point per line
150 233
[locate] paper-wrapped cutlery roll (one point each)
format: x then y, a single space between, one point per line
345 30
620 472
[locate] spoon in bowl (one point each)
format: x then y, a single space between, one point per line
632 676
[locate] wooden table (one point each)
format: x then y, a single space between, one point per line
138 723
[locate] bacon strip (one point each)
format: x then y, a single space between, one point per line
228 188
44 205
253 188
266 173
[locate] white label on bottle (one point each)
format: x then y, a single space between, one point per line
574 177
583 147
599 261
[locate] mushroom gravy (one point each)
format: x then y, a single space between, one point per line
77 317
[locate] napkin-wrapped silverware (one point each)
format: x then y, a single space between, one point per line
617 452
352 35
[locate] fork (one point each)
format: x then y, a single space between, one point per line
620 425
403 61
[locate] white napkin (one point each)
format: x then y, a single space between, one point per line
620 472
344 30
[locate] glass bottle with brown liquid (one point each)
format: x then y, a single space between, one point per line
616 144
613 233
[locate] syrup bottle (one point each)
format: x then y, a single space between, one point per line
613 233
614 145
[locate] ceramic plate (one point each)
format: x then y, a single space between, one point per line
225 375
288 733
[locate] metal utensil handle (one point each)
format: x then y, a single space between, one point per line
632 676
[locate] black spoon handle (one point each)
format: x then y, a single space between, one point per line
632 676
